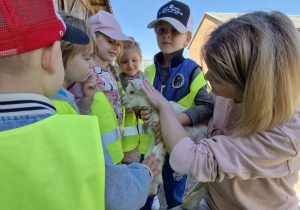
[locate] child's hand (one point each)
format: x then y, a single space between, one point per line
135 109
151 164
145 114
89 87
130 110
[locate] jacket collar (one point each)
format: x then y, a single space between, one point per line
176 59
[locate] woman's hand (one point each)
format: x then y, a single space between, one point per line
155 97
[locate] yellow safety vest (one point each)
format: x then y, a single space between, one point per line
109 128
133 134
188 100
63 107
54 164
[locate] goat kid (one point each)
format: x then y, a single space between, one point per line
133 97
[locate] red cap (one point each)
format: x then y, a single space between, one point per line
28 25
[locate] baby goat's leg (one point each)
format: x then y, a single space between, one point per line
160 152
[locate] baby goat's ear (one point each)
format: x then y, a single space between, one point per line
146 76
136 85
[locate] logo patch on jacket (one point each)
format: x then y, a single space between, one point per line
178 81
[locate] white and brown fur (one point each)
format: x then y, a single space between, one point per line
135 97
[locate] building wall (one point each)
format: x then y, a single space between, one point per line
207 25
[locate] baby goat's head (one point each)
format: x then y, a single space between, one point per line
134 96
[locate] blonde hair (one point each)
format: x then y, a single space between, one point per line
258 52
127 46
69 50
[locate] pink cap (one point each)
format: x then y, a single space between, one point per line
107 24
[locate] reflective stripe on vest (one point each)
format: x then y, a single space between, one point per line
63 107
111 136
133 130
56 163
109 128
188 100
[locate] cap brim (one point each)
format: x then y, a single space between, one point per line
75 35
175 23
117 36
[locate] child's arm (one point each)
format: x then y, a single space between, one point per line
127 186
204 105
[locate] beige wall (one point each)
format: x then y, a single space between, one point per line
207 25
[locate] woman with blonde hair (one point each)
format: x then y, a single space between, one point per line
250 159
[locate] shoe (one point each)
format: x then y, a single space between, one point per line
155 204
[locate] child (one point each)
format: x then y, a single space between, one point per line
254 62
47 157
109 41
134 141
77 60
178 79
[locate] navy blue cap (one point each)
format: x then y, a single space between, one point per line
75 35
177 14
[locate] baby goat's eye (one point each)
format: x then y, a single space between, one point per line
131 92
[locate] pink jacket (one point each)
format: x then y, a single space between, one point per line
255 172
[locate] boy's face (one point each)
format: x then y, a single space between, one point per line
169 40
130 62
108 48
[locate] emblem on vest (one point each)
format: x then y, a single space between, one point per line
178 81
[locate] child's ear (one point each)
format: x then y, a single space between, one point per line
188 40
51 56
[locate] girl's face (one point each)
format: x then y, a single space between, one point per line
78 67
170 40
222 88
130 62
108 48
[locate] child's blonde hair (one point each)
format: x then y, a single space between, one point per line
258 52
127 46
69 50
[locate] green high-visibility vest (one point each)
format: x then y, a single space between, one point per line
54 164
133 134
63 107
188 100
109 128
